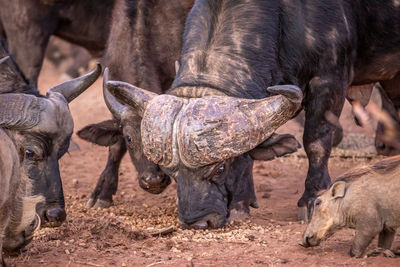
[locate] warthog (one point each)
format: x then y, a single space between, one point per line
41 128
17 205
366 199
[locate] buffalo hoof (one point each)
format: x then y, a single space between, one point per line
302 214
98 203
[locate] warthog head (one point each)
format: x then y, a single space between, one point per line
325 215
203 143
41 127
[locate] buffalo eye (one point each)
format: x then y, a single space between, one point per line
318 202
29 154
220 170
129 139
217 173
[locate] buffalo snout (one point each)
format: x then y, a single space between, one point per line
154 183
51 216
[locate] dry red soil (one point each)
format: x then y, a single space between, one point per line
121 235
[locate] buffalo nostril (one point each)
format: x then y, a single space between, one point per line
56 215
147 178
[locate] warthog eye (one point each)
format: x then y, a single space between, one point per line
29 154
129 139
318 202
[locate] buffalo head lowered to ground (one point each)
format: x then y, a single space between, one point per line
41 127
203 143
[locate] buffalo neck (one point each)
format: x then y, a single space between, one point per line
230 47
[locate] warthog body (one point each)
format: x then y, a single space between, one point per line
17 207
366 199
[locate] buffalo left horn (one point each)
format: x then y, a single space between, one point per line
131 95
4 59
73 88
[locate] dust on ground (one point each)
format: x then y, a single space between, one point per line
126 233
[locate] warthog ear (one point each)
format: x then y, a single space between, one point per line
105 133
276 146
338 189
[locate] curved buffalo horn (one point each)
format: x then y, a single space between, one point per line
20 111
214 129
73 88
131 95
116 108
4 59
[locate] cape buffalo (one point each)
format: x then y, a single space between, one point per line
144 42
232 52
17 205
41 128
28 25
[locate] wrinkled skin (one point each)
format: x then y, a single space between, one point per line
47 138
135 59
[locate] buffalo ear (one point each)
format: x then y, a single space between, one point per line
105 133
338 189
277 145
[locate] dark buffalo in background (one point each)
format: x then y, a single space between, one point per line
321 47
47 130
145 41
28 25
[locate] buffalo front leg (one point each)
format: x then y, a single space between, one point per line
108 182
324 103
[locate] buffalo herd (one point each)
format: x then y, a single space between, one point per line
197 89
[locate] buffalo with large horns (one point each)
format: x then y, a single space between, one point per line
41 128
232 52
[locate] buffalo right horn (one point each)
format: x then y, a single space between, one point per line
131 95
73 88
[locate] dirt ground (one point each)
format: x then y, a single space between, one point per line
122 234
